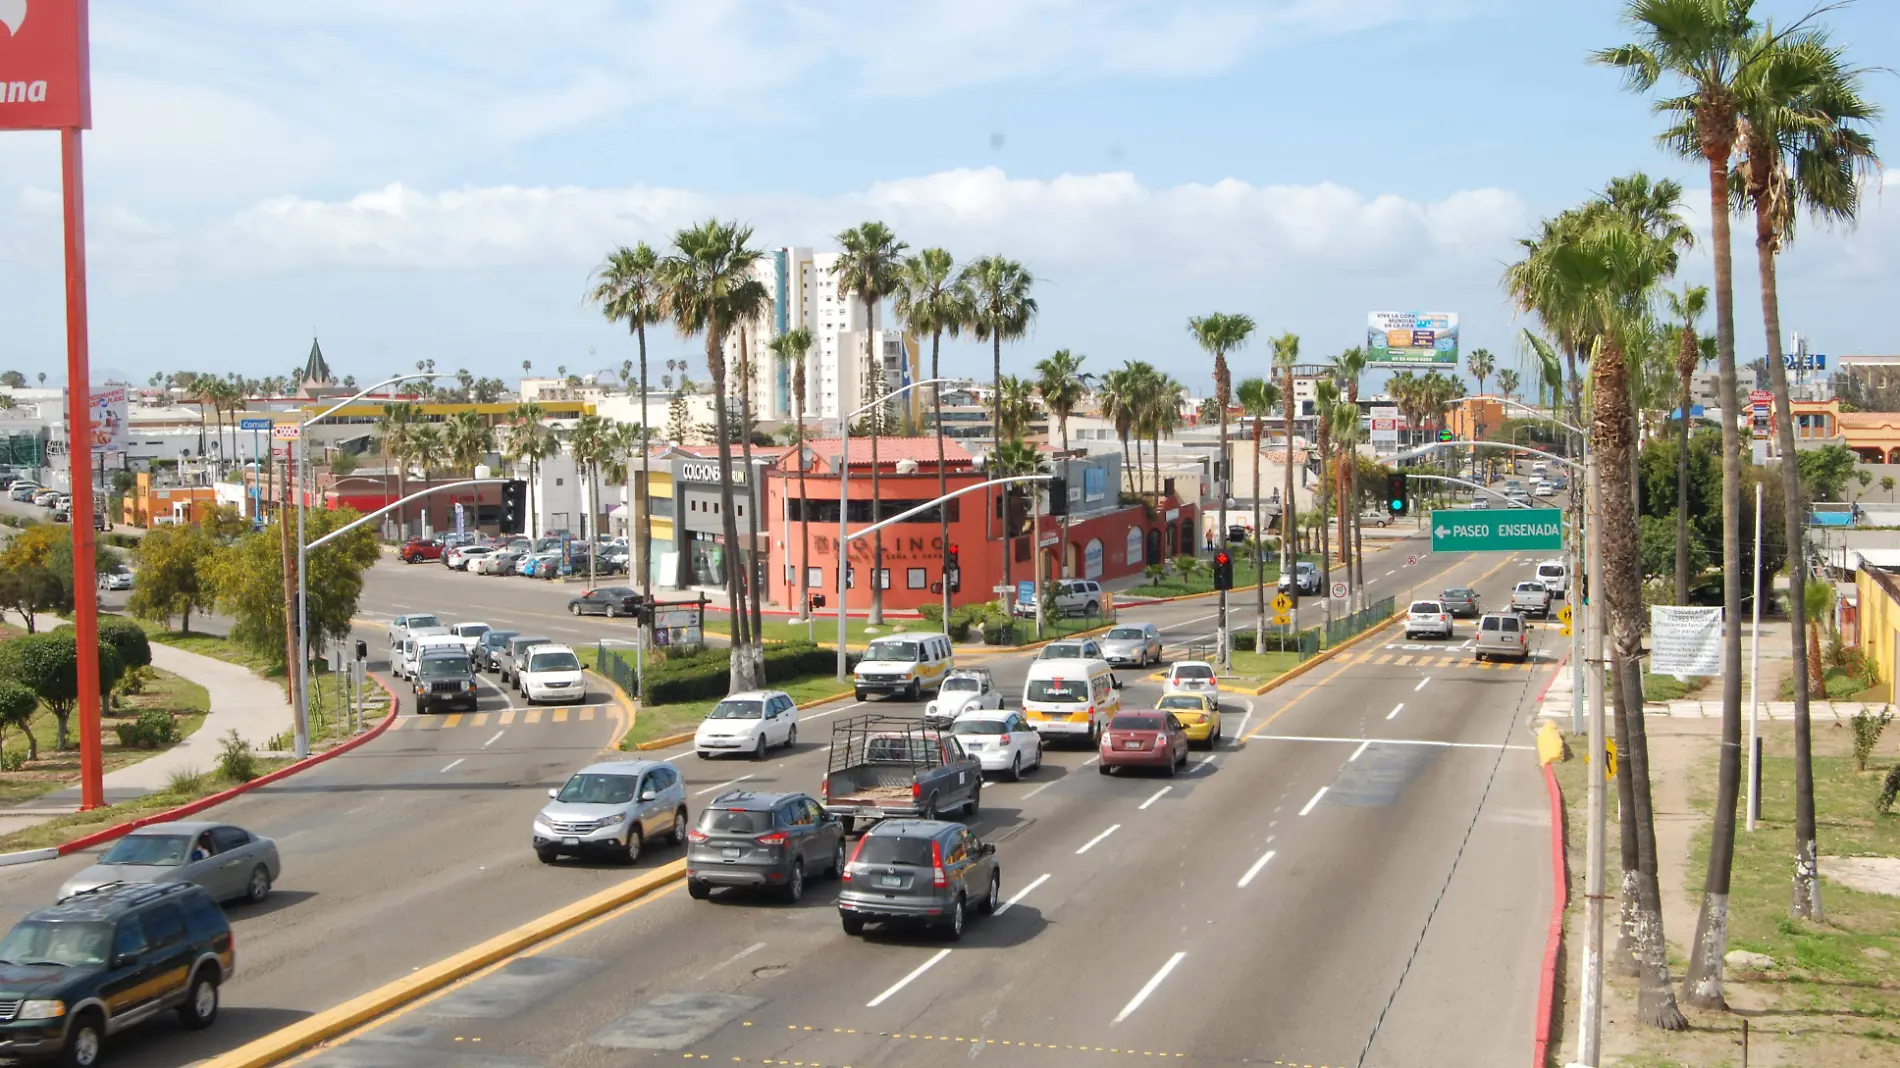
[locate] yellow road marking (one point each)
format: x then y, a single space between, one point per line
454 720
1402 661
1385 659
507 717
560 715
587 715
481 719
400 720
534 715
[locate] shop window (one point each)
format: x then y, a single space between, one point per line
916 578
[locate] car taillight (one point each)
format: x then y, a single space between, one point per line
1002 739
846 874
824 789
916 790
696 835
776 838
939 878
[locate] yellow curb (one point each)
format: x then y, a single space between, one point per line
330 1023
816 701
626 713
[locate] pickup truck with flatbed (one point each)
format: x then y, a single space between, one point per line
893 767
1531 598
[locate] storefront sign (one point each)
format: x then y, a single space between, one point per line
1135 554
1049 539
1092 560
700 471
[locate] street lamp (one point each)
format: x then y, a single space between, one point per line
303 555
844 486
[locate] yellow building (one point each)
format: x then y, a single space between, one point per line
1877 622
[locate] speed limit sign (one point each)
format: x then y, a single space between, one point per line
1410 560
1339 591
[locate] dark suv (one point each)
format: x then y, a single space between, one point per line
919 871
765 840
99 962
444 679
487 653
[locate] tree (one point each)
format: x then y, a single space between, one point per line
592 444
13 380
30 590
793 347
1825 471
1118 403
342 464
247 576
127 639
678 412
1886 486
1258 397
628 290
1000 309
48 665
1325 399
174 574
18 705
1286 354
398 425
529 440
869 268
929 300
466 439
1347 367
712 261
1060 381
1508 382
1016 401
1685 308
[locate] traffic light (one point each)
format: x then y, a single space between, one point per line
514 506
1058 497
1223 571
1397 500
953 568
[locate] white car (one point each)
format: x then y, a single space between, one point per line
1555 575
460 557
1001 740
750 722
400 627
470 634
1428 617
1191 676
116 580
963 690
419 642
1543 489
553 673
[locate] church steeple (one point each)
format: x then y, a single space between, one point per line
315 371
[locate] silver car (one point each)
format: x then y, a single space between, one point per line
1136 644
229 862
612 809
926 872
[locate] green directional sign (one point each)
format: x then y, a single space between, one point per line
1511 530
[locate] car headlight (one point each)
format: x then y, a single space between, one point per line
41 1010
613 820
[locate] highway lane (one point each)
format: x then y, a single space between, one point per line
1133 930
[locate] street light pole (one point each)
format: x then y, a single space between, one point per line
1590 1022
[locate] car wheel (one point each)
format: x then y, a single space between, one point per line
994 899
853 924
698 890
631 855
1174 766
1103 768
791 737
702 754
915 693
1016 768
953 923
259 887
860 698
1091 609
847 826
84 1042
930 807
837 859
548 856
677 835
201 1001
795 882
975 802
573 610
758 748
612 613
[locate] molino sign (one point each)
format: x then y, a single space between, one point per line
45 81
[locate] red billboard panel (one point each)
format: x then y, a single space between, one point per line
45 83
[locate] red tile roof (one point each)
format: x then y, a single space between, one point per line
892 449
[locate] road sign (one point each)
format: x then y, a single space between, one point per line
287 431
1761 398
1281 602
1410 560
1519 530
1564 630
1609 752
1563 614
1280 619
1339 591
254 424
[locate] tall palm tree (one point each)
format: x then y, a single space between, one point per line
930 299
1257 398
1000 309
712 262
627 288
1286 354
1017 405
1482 365
749 302
426 452
1217 335
529 439
792 347
1061 382
397 425
1804 146
1343 425
1160 418
1508 383
1347 367
1118 402
1325 399
868 268
592 442
1684 309
465 437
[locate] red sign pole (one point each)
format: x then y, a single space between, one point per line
79 452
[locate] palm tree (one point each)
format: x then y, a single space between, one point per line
1325 399
1118 402
748 302
1343 425
931 300
1286 353
1257 398
530 440
465 438
1061 382
1508 383
397 425
869 268
627 288
426 451
698 283
1000 309
1685 308
1016 402
592 441
1160 417
1347 367
1218 334
1481 365
793 347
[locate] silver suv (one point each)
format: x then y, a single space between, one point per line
1073 597
927 872
612 809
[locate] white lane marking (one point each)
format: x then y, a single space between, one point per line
1396 709
831 711
734 959
1242 732
1203 762
452 764
1093 842
1158 794
1389 741
1255 870
1091 760
1389 574
1040 789
1148 988
906 981
496 738
1023 893
1421 683
1355 753
1185 622
497 687
1314 801
721 786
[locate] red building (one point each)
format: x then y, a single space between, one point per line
1106 540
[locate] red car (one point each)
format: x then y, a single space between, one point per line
416 550
1151 739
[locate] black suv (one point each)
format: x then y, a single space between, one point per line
765 840
444 678
99 962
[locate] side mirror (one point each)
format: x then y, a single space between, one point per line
553 792
124 960
1117 683
649 795
987 849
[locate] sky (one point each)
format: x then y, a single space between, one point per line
437 179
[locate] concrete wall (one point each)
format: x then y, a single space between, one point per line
1879 622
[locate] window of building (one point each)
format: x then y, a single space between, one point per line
884 579
916 578
815 577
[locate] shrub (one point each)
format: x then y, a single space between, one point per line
704 674
158 726
12 760
127 639
1889 791
187 781
236 762
961 618
1867 734
933 614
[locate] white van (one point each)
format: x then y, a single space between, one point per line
1072 699
1555 575
410 651
906 664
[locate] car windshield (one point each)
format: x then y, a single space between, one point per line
1530 587
965 684
154 850
1426 608
495 639
892 651
734 821
443 667
597 790
1551 569
1459 595
559 660
894 849
1057 691
979 726
67 943
1126 634
417 622
738 709
1193 671
519 645
474 630
1136 723
1062 651
1182 700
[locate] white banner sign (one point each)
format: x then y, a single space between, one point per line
1685 641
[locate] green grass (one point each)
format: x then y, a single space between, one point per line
1258 669
66 828
659 721
856 631
1203 581
215 647
59 768
1668 688
1842 685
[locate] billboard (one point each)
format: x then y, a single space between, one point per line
1412 339
106 414
44 81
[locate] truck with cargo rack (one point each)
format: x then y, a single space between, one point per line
893 767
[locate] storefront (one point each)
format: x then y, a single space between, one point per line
698 554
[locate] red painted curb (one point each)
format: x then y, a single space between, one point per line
195 807
1560 900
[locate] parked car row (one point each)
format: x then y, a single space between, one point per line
441 662
546 557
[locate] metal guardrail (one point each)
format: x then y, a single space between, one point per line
610 663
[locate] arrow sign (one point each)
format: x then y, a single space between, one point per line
1517 530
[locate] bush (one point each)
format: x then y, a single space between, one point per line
1889 791
154 728
187 781
696 676
12 760
932 613
236 762
127 639
961 620
1867 734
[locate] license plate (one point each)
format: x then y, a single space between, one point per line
891 881
570 841
730 852
1131 745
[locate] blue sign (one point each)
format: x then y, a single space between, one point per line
1812 362
254 424
1026 592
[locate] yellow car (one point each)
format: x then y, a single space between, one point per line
1198 712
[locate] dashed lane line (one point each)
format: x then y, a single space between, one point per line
1254 870
1158 795
721 786
1093 842
1023 893
1314 801
907 980
1396 709
1149 987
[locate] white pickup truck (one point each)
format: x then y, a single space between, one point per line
1531 598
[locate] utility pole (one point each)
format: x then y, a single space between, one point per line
1590 1019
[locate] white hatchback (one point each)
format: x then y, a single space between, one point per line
1191 676
1002 740
750 723
552 673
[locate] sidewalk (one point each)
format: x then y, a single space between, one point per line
240 701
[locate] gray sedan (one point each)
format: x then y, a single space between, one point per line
1138 644
229 862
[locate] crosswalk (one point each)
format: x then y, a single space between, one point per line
1432 660
508 717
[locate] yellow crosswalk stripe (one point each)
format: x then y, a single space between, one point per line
1401 661
481 719
1386 659
1447 661
507 717
400 720
560 715
534 715
454 720
587 715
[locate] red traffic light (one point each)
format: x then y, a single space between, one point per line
953 552
1222 559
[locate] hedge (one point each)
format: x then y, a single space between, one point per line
706 674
